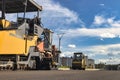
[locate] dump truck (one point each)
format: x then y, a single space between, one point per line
79 61
25 44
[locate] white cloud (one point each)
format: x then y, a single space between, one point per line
107 35
109 60
115 24
72 46
98 20
66 54
102 39
110 20
106 49
102 4
57 14
62 55
98 32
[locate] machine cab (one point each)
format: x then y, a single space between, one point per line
78 56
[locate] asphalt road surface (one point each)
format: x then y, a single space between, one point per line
60 75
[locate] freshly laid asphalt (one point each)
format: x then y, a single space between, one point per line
60 75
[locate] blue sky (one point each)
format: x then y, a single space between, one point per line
90 26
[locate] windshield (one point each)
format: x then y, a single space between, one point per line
78 56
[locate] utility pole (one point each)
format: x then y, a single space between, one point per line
59 38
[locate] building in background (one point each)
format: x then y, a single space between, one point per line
66 61
91 63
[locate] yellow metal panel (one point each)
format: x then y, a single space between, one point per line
10 44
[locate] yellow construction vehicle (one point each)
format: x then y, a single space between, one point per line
20 46
79 61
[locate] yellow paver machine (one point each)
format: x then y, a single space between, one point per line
24 44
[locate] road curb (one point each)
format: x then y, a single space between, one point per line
92 69
63 68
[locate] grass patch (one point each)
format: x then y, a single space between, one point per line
63 67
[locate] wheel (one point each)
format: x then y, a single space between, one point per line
73 68
83 68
